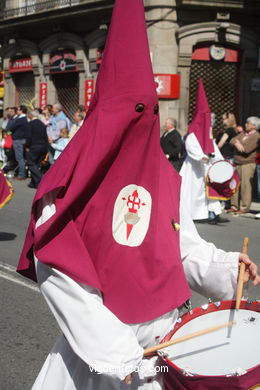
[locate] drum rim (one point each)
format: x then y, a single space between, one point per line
200 311
195 377
211 307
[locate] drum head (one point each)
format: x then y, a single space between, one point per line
223 352
220 172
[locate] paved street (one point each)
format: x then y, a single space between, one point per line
27 328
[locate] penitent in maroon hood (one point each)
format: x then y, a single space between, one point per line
201 121
116 195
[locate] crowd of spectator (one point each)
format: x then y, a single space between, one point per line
237 144
32 139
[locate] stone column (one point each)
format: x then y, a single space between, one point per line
9 86
161 28
37 72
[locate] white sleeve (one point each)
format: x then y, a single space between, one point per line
193 147
210 271
218 156
94 333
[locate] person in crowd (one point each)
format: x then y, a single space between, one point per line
201 153
58 121
60 144
223 139
7 117
81 109
172 144
20 129
223 142
10 114
36 147
7 154
1 118
246 145
46 114
239 129
2 152
7 145
13 112
103 240
40 112
78 122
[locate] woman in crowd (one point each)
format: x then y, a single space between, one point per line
46 114
223 139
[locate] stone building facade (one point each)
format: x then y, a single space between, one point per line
51 50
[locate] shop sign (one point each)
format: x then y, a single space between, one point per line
20 65
167 86
43 95
99 56
89 92
63 62
216 53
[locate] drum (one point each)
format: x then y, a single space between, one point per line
227 359
6 190
222 180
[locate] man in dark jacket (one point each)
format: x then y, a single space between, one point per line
19 128
171 143
36 148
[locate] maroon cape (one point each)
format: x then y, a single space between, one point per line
115 193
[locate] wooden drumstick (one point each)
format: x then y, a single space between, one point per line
240 285
148 351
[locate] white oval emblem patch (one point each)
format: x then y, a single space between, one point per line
131 217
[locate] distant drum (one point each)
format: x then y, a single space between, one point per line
222 180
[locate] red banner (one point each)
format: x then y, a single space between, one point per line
43 95
167 85
21 65
89 92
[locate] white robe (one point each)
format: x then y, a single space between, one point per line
193 174
95 339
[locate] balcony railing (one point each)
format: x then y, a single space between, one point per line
15 8
253 4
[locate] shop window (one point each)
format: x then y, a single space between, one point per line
25 87
67 91
221 81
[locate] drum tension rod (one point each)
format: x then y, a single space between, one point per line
188 306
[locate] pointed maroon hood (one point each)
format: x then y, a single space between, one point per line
201 121
116 196
126 66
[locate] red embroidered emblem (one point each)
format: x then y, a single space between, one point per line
132 217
